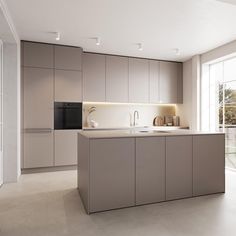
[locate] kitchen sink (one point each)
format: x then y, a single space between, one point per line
153 131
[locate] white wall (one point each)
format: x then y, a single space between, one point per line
11 139
185 110
120 115
219 53
11 97
189 111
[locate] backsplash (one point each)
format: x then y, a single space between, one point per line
120 115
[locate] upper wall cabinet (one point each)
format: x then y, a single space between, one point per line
117 79
94 77
38 55
138 80
68 86
154 72
68 58
170 82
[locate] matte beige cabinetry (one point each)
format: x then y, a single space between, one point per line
150 170
208 164
112 173
38 149
117 79
179 163
38 98
154 74
170 82
68 58
138 80
93 77
65 144
68 86
38 55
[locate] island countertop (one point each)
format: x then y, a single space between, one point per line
99 134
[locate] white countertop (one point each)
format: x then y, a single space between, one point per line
96 134
137 127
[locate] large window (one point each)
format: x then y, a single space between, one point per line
222 110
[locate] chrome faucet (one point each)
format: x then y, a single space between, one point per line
135 122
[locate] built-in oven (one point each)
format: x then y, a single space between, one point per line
68 115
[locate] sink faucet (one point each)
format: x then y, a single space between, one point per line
135 122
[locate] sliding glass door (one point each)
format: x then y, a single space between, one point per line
227 110
220 91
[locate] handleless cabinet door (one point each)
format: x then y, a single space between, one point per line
65 142
68 86
154 81
93 77
116 79
38 98
68 58
170 77
179 171
150 170
138 80
208 164
112 173
38 149
38 55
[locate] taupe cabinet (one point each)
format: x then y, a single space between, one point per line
93 77
38 98
117 79
68 86
42 84
138 80
38 149
154 74
68 58
170 82
38 117
150 170
37 55
179 167
112 175
120 172
123 79
208 159
65 144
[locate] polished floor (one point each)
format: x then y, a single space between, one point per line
48 204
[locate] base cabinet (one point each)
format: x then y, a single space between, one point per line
65 147
208 164
112 173
150 170
179 167
38 150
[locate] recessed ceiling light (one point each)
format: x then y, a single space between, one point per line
140 46
98 41
58 36
177 51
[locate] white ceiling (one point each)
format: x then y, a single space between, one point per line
228 1
193 26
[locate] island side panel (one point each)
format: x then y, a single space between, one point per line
150 170
208 164
112 173
83 170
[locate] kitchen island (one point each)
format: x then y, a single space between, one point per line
124 168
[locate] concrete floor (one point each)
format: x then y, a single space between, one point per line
48 204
